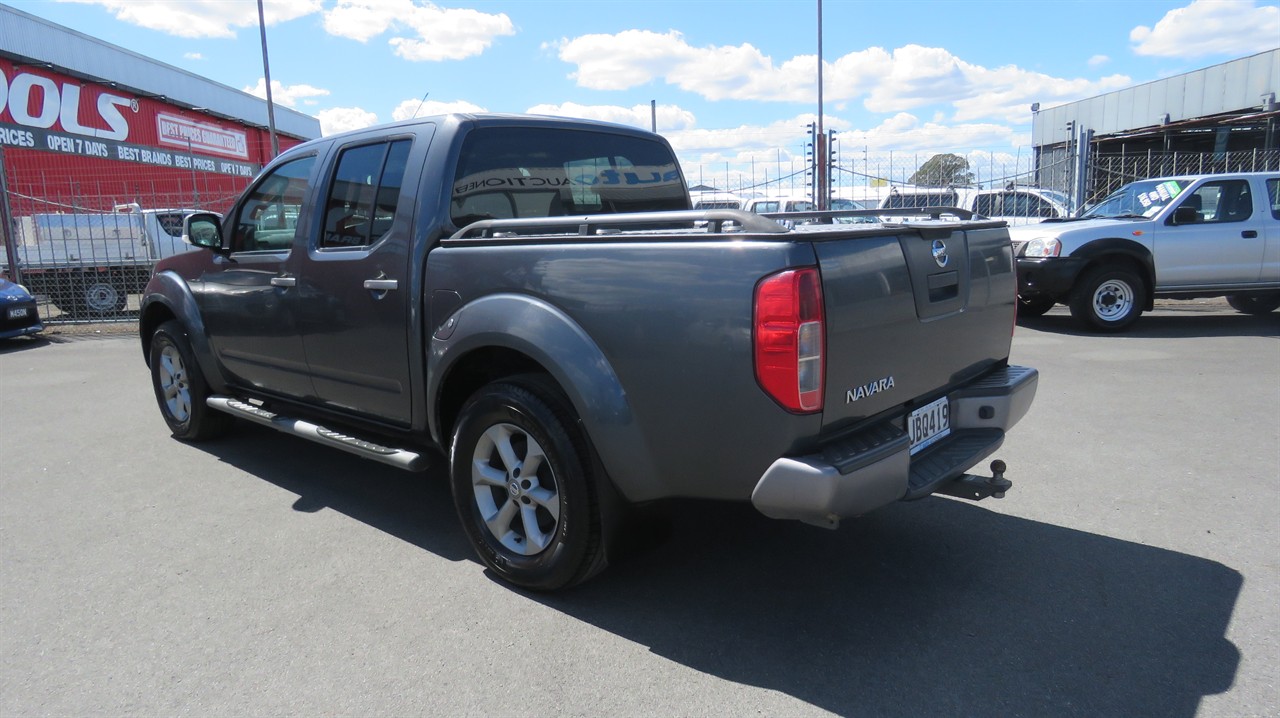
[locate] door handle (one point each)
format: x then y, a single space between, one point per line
284 281
381 285
1249 234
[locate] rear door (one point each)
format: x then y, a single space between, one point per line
356 302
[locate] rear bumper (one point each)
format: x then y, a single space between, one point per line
875 467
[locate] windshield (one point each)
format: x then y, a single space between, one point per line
1139 199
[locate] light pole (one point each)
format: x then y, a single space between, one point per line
820 144
266 76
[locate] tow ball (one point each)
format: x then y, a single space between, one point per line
977 488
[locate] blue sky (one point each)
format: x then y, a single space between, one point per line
735 81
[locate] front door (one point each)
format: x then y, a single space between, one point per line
247 298
1223 245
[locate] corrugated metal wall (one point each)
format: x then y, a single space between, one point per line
1236 86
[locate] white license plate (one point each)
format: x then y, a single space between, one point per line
929 423
18 312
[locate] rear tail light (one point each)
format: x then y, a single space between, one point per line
789 338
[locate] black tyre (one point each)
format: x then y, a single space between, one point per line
523 485
1034 306
1255 303
92 299
1108 299
180 387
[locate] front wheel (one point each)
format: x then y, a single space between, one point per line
1108 299
1255 303
521 475
180 387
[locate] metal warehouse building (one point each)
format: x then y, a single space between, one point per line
1222 118
85 124
89 131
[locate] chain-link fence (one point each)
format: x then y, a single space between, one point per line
86 239
1108 172
87 234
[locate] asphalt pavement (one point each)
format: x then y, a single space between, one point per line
1131 571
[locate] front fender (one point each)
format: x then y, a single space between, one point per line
167 293
555 341
1138 252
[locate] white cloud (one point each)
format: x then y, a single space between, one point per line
670 117
342 119
288 96
418 108
1098 60
193 56
434 33
637 57
1210 27
203 18
887 82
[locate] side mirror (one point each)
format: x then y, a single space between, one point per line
203 229
1186 215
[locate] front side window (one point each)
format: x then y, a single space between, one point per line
268 218
361 204
506 172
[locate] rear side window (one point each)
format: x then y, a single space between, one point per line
510 172
362 201
171 223
1273 193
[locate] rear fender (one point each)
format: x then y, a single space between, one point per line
551 338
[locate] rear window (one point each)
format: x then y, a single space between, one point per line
520 172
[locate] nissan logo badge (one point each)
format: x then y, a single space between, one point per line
940 252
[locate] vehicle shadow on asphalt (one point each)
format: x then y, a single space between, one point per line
1157 325
416 508
937 607
934 608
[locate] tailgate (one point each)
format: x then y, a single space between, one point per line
911 314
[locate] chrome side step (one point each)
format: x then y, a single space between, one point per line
399 458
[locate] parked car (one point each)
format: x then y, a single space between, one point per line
1170 237
534 299
18 313
1014 204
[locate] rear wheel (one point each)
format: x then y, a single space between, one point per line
523 485
1255 303
180 387
1108 299
1034 306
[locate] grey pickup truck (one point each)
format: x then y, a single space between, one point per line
531 300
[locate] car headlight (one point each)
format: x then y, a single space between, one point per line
1042 247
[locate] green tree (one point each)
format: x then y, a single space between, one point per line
943 170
